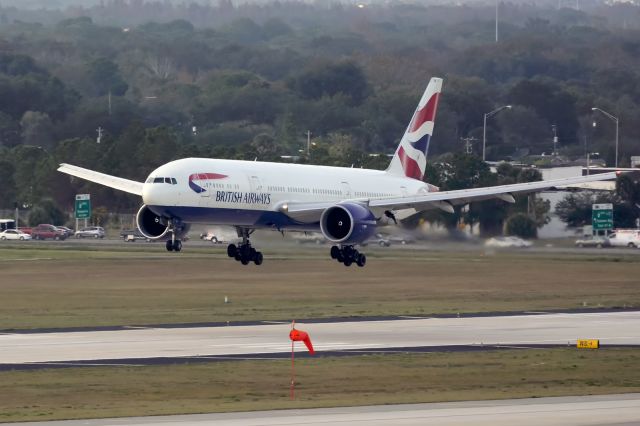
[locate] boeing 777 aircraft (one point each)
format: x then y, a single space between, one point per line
345 204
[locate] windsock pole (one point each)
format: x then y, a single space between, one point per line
293 367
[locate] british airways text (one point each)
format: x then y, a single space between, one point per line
242 197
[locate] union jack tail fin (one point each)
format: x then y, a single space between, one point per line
410 158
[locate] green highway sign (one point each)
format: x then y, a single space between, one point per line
83 206
602 216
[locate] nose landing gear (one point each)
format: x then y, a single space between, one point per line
348 255
243 252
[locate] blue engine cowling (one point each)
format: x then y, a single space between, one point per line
347 223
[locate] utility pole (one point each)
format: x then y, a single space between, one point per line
109 101
497 20
555 140
468 147
308 142
99 138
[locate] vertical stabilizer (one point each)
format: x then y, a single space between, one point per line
410 158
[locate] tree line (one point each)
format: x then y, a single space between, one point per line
158 81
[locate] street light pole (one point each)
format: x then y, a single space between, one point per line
484 128
614 118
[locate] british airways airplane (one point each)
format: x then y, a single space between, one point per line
345 204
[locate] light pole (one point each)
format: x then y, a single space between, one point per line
614 118
484 127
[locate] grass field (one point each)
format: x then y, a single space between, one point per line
321 382
46 287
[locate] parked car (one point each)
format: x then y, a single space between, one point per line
507 242
14 234
131 235
25 229
91 232
593 241
45 231
625 238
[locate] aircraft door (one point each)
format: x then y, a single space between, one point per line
256 185
346 190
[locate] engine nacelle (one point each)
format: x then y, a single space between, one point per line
150 224
347 223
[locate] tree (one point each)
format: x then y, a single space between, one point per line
521 225
8 192
37 129
104 75
46 211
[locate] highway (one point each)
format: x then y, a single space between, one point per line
611 328
607 410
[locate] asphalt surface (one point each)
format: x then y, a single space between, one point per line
168 345
609 410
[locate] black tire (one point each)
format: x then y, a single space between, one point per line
335 252
257 259
4 238
232 250
362 260
631 245
169 245
177 245
56 237
599 245
244 261
347 262
96 236
21 238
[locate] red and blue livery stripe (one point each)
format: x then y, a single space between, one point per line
202 176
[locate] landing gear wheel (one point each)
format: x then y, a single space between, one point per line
232 250
362 260
335 252
177 245
347 262
257 259
169 245
244 261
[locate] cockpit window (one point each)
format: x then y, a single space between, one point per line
150 180
167 180
158 180
174 181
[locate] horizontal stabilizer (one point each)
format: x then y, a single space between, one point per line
126 185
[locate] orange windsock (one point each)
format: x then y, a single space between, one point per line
302 336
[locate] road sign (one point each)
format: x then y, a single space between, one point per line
83 206
602 216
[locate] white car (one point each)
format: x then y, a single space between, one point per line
625 238
14 234
506 242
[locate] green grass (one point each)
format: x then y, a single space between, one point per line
321 382
49 286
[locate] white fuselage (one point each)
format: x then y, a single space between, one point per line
252 193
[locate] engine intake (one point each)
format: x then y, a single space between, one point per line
150 224
347 223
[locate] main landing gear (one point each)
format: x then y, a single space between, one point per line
243 252
348 255
173 244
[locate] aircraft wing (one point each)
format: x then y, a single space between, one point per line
464 196
130 186
445 200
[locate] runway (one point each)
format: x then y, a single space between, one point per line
610 410
613 328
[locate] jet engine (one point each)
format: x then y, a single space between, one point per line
347 223
150 224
